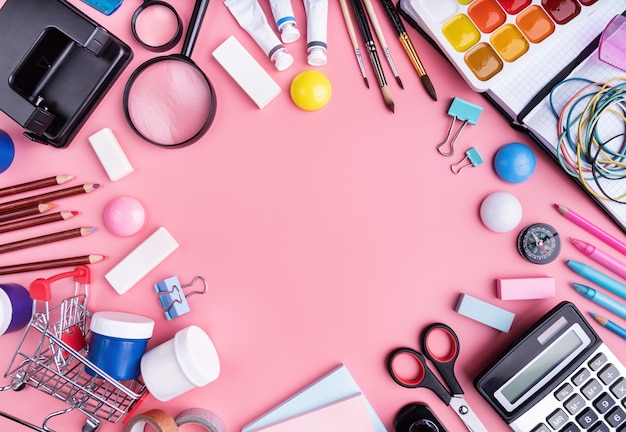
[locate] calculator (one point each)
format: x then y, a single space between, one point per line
558 376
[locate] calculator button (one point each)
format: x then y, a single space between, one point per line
615 417
592 389
603 403
557 419
600 427
564 392
541 428
581 376
587 418
598 361
609 374
570 428
575 404
619 388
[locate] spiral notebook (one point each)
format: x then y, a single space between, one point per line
515 52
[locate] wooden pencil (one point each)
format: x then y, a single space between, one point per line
50 264
46 197
26 211
34 221
35 184
44 239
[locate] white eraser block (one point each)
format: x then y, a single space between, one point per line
246 71
526 288
485 313
141 261
110 153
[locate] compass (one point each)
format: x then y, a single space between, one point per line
539 243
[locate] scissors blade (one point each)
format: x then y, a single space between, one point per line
463 410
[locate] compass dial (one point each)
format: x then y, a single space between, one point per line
539 243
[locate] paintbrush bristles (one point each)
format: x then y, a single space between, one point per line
428 85
386 92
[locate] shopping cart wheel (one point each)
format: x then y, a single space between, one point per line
18 386
91 425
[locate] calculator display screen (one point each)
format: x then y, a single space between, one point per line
545 366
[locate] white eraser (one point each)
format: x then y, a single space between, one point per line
141 261
485 313
526 288
110 153
246 71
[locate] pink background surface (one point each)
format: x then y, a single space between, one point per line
326 237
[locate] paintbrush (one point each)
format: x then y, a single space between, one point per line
394 16
366 33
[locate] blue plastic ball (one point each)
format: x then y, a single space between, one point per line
7 151
515 162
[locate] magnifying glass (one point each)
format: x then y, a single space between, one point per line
156 25
168 100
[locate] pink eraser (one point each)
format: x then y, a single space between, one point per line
526 288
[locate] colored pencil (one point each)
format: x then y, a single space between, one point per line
381 39
609 325
26 211
34 221
601 257
35 184
608 303
599 278
45 197
44 239
350 27
50 264
591 228
409 48
366 34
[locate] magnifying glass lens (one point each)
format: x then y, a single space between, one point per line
169 102
156 25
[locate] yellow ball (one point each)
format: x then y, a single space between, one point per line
310 90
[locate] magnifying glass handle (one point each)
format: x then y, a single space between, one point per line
195 23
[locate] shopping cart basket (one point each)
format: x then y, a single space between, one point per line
51 358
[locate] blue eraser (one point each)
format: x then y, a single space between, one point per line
464 110
485 313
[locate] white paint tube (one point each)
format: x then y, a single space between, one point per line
251 18
285 20
316 33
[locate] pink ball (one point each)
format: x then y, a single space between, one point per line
124 216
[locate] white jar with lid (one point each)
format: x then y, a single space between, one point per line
186 361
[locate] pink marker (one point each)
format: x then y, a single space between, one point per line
601 257
591 228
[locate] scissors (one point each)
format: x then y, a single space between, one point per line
427 379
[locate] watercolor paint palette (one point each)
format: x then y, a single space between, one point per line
486 40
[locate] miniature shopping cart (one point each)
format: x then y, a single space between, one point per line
51 358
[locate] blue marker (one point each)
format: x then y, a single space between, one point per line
599 278
601 299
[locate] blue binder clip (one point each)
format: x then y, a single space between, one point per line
172 297
462 110
472 158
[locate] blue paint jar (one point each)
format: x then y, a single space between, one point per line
16 307
118 341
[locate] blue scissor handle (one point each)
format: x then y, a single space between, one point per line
444 364
425 377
